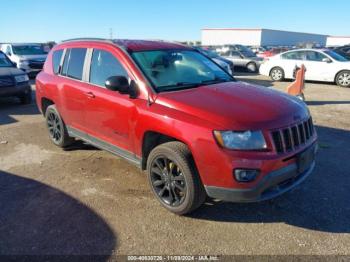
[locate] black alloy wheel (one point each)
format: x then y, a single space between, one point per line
168 181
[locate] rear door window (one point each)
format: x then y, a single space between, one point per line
73 65
76 63
65 63
296 55
103 66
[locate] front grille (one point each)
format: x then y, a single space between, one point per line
290 138
6 81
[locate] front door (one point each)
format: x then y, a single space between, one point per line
318 66
109 115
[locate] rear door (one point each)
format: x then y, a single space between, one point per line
237 58
109 114
73 91
289 61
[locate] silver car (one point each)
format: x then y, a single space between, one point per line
243 57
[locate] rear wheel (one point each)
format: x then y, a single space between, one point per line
277 74
174 179
343 79
57 129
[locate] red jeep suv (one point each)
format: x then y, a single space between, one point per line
174 112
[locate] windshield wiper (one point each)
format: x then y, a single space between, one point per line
179 85
214 81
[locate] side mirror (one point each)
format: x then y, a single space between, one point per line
327 60
121 84
118 83
14 64
8 53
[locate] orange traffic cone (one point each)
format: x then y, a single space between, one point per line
296 88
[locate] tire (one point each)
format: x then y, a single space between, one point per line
252 67
301 97
277 74
26 98
57 129
175 183
343 78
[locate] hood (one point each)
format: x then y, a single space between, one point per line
225 60
33 57
220 62
10 71
256 58
237 106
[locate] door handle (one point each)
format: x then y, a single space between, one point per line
90 95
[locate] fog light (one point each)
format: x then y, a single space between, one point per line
246 175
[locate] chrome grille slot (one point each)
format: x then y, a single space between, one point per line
288 139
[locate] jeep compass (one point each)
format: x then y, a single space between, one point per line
177 114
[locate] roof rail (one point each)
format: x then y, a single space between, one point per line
87 39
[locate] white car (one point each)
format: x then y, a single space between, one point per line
321 65
28 57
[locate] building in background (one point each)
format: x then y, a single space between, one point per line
338 40
259 37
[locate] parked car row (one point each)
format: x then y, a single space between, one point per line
13 81
28 57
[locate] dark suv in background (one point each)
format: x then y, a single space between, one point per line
13 81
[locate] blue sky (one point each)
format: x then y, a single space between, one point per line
43 20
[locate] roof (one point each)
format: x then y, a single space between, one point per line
257 29
20 44
334 36
134 45
144 45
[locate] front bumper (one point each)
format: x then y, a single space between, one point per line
275 183
29 70
16 90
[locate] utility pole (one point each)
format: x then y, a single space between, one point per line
111 33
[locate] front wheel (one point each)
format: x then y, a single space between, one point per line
252 67
174 179
343 79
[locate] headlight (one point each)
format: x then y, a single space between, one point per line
21 78
241 140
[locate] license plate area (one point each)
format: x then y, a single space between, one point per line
305 159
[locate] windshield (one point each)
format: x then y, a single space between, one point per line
28 50
171 70
336 56
247 52
4 61
209 53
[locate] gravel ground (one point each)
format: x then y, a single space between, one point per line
87 201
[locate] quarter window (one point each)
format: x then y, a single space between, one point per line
103 66
56 60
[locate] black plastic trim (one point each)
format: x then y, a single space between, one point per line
134 159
